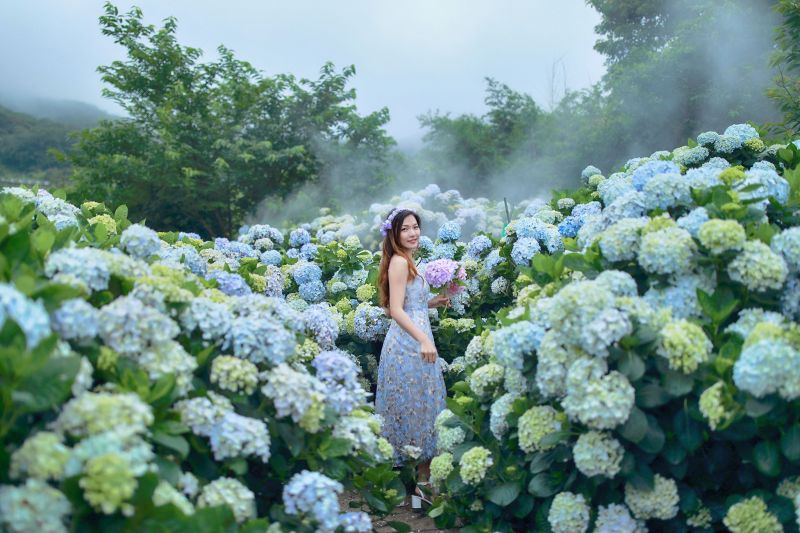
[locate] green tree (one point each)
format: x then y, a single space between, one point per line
205 142
786 59
480 146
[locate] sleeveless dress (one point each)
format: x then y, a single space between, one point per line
410 391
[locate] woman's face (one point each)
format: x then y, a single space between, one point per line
409 233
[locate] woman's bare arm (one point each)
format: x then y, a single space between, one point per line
398 277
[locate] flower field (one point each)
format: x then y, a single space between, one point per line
624 357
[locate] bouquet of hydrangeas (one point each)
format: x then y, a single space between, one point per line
445 276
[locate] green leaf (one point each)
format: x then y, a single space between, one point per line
49 386
790 443
541 461
173 442
400 527
635 427
677 383
688 431
767 458
42 240
121 212
632 366
653 440
756 408
504 494
651 395
543 485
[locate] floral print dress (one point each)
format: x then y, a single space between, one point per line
410 391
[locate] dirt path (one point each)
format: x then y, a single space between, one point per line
415 518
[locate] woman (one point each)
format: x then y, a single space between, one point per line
410 391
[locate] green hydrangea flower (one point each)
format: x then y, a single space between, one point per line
441 467
234 374
758 268
661 502
720 236
166 493
536 423
366 292
751 516
717 405
474 464
42 456
685 345
568 513
107 221
108 484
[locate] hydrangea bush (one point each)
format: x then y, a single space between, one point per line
643 373
156 381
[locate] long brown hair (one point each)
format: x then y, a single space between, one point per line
391 247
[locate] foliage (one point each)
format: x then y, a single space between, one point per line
205 142
786 59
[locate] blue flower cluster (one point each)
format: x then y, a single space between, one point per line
478 245
140 241
76 319
321 324
647 171
524 250
370 322
513 342
271 257
449 231
30 316
299 237
313 495
306 273
230 283
340 376
259 338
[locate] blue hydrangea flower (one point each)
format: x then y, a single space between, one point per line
309 251
140 241
763 165
569 226
306 273
691 156
87 265
727 144
76 319
425 244
512 343
449 231
370 322
581 211
188 235
707 138
492 261
767 366
271 257
704 177
444 250
293 253
230 283
30 316
299 237
667 251
313 495
632 204
265 231
339 374
234 249
321 324
743 132
787 244
663 191
692 220
478 245
259 338
589 171
184 257
524 250
647 171
312 292
355 522
615 186
771 184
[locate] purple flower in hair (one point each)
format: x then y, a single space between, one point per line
386 226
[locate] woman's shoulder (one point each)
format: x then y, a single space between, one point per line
398 263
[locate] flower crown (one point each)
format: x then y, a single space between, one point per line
386 226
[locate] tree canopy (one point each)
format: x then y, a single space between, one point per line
204 143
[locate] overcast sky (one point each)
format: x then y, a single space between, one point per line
411 55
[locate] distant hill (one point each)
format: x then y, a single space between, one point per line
71 113
24 144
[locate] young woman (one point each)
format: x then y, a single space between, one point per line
410 391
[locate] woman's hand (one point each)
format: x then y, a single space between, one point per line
428 351
440 300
